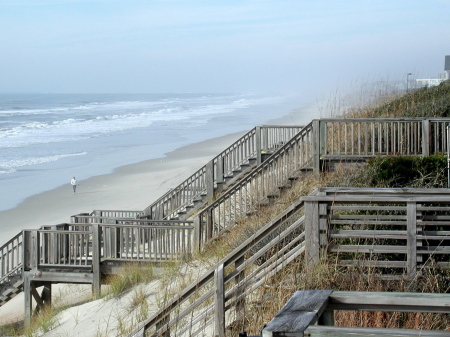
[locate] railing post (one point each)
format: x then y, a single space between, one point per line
219 312
312 238
219 170
210 180
197 231
31 252
27 298
264 139
411 210
258 146
323 138
316 145
425 137
208 224
96 237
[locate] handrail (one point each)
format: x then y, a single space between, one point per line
365 137
245 274
203 180
257 185
11 257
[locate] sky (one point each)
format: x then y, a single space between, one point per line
254 46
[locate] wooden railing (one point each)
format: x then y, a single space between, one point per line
204 181
73 245
365 137
405 229
218 297
165 241
311 312
11 257
264 182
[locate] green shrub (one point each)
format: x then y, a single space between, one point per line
427 171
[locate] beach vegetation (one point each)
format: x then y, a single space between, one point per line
130 275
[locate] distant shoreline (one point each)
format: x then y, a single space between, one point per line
130 187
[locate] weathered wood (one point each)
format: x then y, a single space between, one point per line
300 311
316 145
219 312
28 304
390 301
96 246
209 177
312 233
411 239
325 331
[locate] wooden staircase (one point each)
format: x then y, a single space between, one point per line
249 174
10 287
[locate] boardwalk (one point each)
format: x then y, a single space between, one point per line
247 175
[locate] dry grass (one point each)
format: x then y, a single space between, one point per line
130 275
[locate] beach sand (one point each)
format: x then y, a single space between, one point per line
130 187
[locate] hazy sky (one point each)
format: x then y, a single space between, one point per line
215 45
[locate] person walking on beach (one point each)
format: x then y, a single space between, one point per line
73 182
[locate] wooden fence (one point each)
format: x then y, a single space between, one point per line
341 138
405 229
311 313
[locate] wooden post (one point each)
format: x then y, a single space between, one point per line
96 284
425 137
219 170
258 146
323 138
265 139
34 250
323 225
197 232
316 145
210 180
27 298
411 210
219 312
208 224
312 238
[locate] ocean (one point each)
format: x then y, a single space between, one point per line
46 139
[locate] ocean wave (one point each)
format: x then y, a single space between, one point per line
12 166
111 117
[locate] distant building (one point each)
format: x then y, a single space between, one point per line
431 82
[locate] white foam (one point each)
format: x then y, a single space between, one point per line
12 166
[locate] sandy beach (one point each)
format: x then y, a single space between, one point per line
130 187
